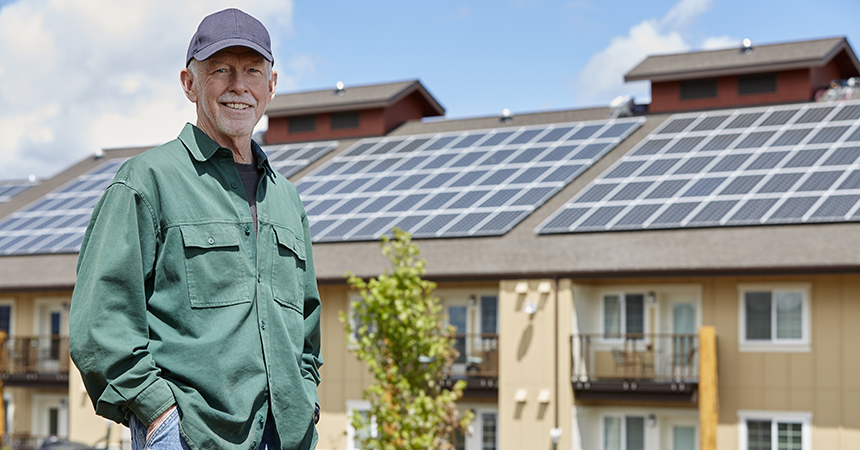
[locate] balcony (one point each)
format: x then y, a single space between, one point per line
35 361
477 364
635 368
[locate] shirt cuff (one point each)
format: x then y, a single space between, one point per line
153 401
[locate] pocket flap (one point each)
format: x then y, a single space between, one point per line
288 239
209 235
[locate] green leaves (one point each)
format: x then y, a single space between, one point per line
397 331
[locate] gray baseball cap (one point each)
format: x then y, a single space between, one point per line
229 28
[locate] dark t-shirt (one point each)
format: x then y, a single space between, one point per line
250 175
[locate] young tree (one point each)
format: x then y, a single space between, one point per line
399 335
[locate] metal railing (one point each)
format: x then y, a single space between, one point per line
635 356
35 354
22 441
479 355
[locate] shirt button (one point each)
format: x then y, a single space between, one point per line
263 324
247 230
253 445
258 279
234 185
211 240
262 422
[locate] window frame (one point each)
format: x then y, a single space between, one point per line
623 316
351 407
802 345
623 417
775 417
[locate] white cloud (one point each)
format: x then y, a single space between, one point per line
684 13
602 78
78 75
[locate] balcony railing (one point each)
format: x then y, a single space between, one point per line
478 362
26 360
22 441
640 364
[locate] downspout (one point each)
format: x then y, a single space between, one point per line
556 431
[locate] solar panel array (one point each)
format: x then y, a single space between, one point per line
56 223
786 164
9 189
291 158
471 183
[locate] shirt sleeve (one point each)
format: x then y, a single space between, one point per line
108 326
311 357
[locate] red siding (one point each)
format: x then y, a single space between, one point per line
822 76
409 108
791 86
371 122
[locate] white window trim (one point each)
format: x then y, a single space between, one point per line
805 418
784 345
356 405
623 296
602 435
475 433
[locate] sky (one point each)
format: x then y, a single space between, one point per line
77 76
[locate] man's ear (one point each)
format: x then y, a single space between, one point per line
187 80
272 84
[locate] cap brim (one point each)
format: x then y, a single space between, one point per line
208 51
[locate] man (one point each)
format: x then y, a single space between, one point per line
195 316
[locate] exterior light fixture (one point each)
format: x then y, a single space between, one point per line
652 297
652 421
339 88
506 116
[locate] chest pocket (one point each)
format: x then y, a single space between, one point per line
214 265
289 269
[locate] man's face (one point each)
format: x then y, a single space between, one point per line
231 89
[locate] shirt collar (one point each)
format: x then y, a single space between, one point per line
202 147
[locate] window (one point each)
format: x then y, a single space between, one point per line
301 124
693 89
759 83
355 438
623 314
489 314
767 430
623 433
774 317
488 431
342 120
6 318
684 437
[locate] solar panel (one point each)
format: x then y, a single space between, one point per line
291 158
9 189
56 222
781 164
454 184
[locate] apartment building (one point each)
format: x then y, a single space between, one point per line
684 278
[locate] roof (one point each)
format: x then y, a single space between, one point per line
521 252
735 61
352 98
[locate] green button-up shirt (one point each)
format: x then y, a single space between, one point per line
179 301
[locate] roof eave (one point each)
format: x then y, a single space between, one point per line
328 108
726 71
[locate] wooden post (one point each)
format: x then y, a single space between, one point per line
3 368
709 406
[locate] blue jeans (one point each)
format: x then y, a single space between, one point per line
167 437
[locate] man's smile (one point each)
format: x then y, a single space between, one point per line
237 105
